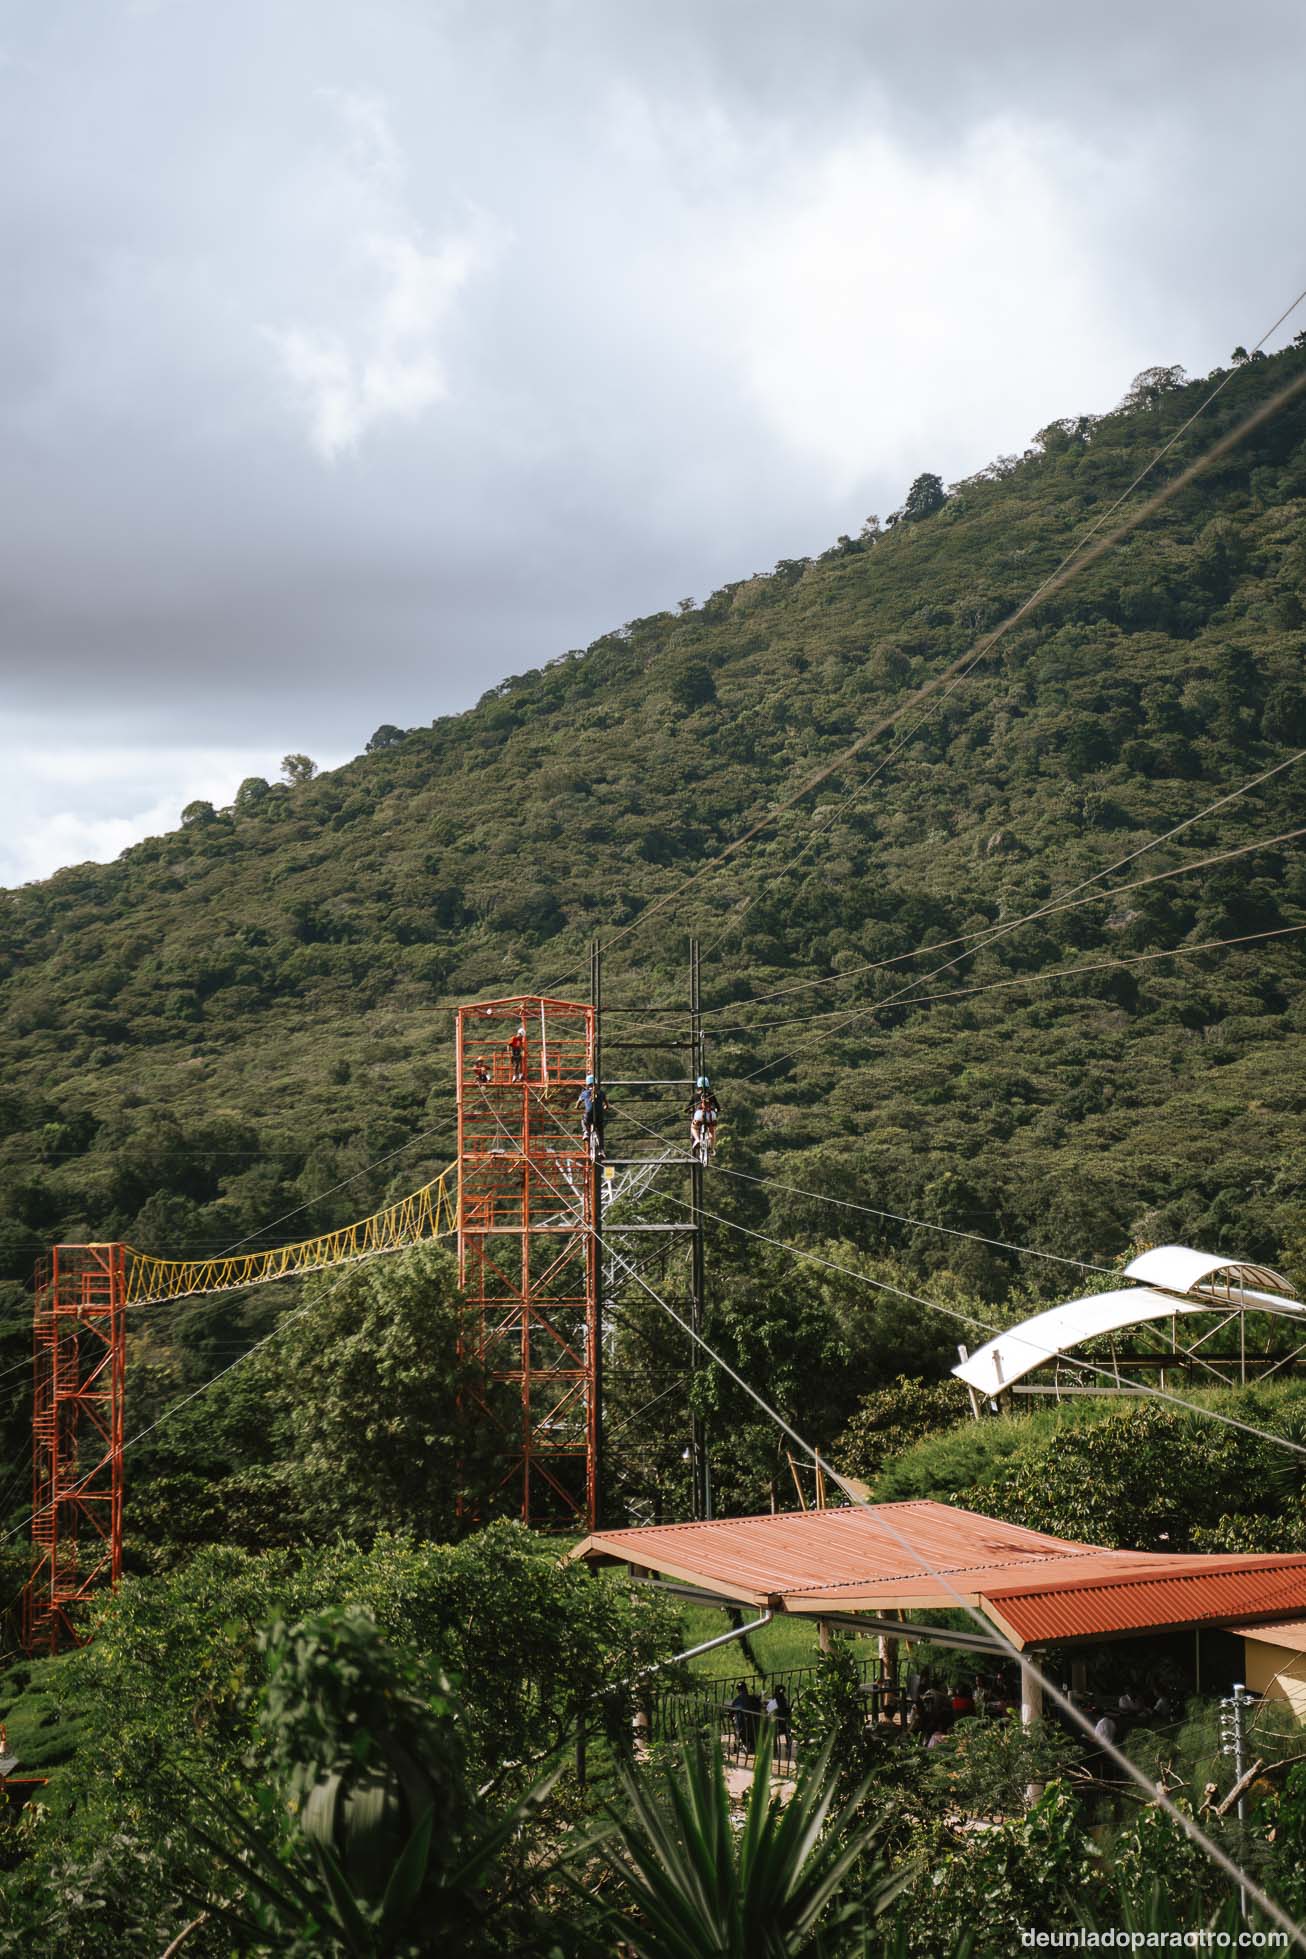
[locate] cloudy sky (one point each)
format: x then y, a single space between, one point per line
356 355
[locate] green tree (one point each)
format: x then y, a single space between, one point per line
891 1418
198 812
1284 715
1148 388
251 793
691 683
296 769
386 1420
386 736
925 496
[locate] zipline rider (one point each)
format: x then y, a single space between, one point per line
704 1110
594 1109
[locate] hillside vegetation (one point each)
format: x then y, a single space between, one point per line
232 1021
241 1032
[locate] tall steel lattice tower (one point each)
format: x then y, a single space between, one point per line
80 1335
528 1250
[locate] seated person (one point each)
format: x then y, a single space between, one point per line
753 1719
779 1711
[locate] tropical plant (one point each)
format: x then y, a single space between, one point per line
1167 1916
792 1878
166 1699
381 1849
890 1419
830 1718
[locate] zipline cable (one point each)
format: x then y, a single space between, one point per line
973 1320
986 647
883 1520
970 939
902 1000
957 668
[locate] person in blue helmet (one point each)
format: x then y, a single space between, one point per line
594 1108
703 1112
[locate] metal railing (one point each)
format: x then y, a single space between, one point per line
699 1706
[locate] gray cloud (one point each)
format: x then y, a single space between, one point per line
359 356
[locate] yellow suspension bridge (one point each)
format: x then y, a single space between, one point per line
431 1212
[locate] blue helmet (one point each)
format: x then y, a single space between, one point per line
589 1081
702 1082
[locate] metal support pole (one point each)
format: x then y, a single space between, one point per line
1233 1741
596 1250
700 1475
1031 1710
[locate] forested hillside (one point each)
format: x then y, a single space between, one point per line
232 1021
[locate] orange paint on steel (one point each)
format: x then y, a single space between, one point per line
527 1251
82 1296
80 1366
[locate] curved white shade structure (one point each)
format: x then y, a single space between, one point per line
1180 1269
1195 1281
1022 1348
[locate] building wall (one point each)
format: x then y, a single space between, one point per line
1276 1671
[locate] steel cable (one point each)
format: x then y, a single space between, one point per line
883 1520
986 647
1077 561
973 1320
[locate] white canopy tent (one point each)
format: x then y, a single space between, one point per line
1193 1282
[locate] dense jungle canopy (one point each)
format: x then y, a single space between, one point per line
249 1017
241 1032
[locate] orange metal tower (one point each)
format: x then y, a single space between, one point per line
528 1249
77 1435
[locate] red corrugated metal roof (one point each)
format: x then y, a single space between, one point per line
920 1556
814 1552
1151 1600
